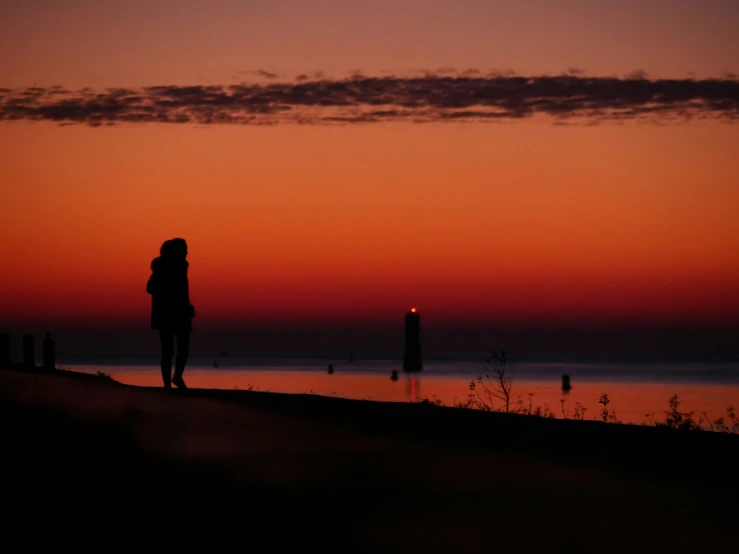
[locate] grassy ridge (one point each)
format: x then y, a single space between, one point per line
301 471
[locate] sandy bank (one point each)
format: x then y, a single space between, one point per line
356 476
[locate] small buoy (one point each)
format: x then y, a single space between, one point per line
394 375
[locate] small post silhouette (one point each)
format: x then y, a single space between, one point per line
4 350
394 375
412 355
566 383
29 354
48 352
330 369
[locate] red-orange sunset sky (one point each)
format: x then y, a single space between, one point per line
577 216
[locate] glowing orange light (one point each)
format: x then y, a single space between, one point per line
413 310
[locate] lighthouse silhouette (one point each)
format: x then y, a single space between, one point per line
412 354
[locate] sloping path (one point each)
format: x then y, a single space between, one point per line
348 475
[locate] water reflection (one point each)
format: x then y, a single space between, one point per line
412 387
631 400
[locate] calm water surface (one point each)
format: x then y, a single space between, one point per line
635 390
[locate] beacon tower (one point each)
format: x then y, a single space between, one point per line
412 355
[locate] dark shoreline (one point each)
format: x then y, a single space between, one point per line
568 438
290 453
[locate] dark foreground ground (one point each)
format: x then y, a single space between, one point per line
92 463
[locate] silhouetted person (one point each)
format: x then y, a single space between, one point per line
48 352
171 311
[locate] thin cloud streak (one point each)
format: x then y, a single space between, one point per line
442 96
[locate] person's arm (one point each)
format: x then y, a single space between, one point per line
187 297
154 285
151 286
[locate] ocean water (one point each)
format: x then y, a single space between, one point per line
637 392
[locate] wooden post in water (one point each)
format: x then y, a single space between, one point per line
4 350
49 356
29 354
566 383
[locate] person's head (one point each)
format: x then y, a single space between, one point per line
174 249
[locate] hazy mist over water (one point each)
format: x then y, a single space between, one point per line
545 342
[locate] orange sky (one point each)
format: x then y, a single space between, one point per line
523 218
520 220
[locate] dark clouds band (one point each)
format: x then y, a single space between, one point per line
360 99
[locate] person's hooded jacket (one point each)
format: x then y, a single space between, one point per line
170 295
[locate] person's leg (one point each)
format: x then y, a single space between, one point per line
167 340
183 351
